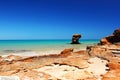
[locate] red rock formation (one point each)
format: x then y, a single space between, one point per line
75 38
104 41
25 67
114 38
67 57
112 75
114 66
66 52
99 51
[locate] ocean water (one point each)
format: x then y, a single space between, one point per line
31 47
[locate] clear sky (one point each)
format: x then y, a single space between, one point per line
58 19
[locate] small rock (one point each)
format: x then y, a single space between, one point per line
75 38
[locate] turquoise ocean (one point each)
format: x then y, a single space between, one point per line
41 46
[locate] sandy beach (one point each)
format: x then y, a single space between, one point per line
59 39
85 69
67 65
96 62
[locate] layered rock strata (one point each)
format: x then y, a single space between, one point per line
67 65
95 63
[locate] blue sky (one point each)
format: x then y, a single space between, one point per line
58 19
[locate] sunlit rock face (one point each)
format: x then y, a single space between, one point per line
75 39
114 38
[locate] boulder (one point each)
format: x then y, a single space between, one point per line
66 52
75 38
114 38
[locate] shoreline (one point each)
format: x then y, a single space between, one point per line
14 46
66 65
37 53
95 62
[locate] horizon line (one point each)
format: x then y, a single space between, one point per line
48 39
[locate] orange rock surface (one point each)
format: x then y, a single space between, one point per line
80 65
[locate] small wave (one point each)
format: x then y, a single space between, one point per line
15 51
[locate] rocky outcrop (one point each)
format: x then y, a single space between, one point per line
111 53
104 51
114 72
99 51
112 75
75 38
67 65
114 38
98 62
66 52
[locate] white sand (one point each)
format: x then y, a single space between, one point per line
64 72
9 78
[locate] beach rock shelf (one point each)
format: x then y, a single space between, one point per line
98 62
75 39
95 63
